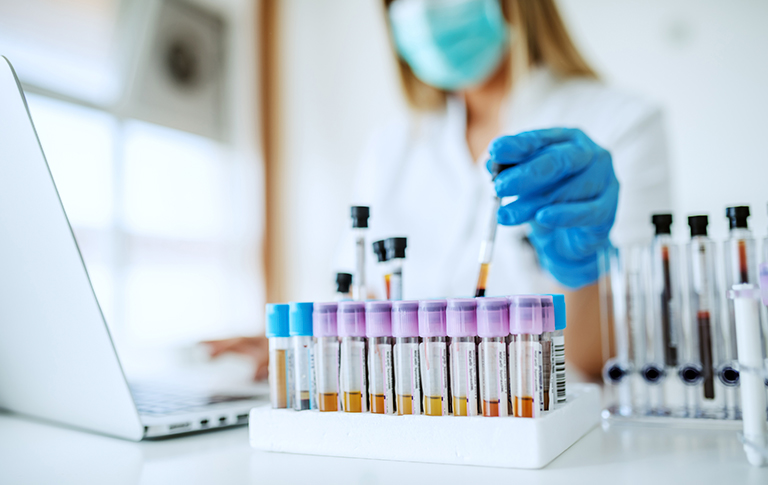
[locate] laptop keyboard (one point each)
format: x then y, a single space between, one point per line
155 401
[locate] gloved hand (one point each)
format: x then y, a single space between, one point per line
568 193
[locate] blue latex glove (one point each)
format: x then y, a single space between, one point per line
568 193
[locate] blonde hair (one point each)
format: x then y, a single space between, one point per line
539 39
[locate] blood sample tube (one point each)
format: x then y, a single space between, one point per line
300 322
396 256
280 360
380 250
343 286
525 359
326 342
434 357
493 329
547 356
461 320
381 378
405 329
558 350
353 380
360 216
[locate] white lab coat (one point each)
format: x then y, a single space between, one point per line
420 181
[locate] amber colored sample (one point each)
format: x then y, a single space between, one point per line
281 400
329 401
404 404
459 406
490 408
378 404
524 407
433 405
353 402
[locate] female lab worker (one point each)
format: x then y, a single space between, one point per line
500 81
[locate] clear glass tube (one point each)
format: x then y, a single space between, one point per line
281 390
354 388
304 373
486 248
526 366
381 379
407 375
464 381
434 375
493 376
327 373
396 279
359 292
546 370
558 367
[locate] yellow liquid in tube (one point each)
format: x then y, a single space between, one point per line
433 405
281 399
482 280
378 404
523 407
329 402
353 402
404 404
459 406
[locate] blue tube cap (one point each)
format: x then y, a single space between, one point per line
277 320
301 319
559 302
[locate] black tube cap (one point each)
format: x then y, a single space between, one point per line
497 168
343 282
360 214
396 247
663 223
737 216
380 250
698 225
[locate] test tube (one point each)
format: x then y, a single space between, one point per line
380 250
396 255
360 216
405 329
558 351
461 319
343 286
381 374
280 359
486 245
666 304
547 356
433 353
327 346
493 329
705 349
300 323
525 359
353 381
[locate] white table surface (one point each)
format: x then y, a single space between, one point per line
36 452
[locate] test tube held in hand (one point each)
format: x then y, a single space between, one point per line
493 329
300 322
396 256
354 379
378 329
360 215
327 346
405 330
281 389
434 357
461 319
525 356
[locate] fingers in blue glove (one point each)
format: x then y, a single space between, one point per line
600 211
517 148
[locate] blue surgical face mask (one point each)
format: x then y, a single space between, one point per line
450 44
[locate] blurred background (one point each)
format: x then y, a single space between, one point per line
205 150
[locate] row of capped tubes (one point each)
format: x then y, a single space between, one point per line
436 357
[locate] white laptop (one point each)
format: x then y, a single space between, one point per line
57 359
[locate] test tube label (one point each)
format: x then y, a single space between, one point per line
558 368
464 378
493 378
381 383
434 377
408 378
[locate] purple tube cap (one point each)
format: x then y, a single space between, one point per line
492 317
324 319
378 319
525 315
405 318
432 318
547 313
351 319
461 316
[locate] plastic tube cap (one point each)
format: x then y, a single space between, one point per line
461 317
360 214
324 319
378 319
396 247
380 250
698 225
432 318
525 315
300 319
492 317
547 313
559 303
277 320
737 216
405 318
663 223
343 282
351 319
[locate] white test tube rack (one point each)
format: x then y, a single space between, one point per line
506 442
